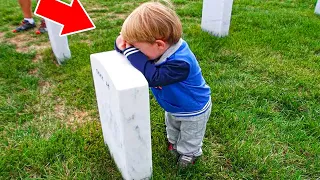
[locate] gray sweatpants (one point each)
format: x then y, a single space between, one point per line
186 133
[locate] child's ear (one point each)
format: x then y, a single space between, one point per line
161 44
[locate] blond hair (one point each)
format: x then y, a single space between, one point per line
152 21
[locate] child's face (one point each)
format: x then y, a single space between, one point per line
152 51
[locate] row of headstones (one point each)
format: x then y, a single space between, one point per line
123 96
216 16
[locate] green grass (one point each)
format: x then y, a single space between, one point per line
264 76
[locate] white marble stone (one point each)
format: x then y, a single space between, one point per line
59 44
317 10
216 16
123 100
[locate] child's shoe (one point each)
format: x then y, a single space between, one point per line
172 150
185 160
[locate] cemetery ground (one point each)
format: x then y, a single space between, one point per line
264 77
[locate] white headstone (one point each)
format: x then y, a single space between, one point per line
216 16
59 44
317 10
123 101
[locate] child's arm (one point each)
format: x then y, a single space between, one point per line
168 73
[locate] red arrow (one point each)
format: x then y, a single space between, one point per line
74 17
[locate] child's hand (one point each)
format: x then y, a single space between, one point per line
121 44
128 45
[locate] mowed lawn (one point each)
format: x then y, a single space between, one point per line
264 77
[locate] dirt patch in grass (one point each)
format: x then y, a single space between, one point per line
44 87
33 71
60 110
87 41
52 112
97 9
37 58
120 15
78 118
108 16
71 117
130 4
1 36
22 41
26 41
41 46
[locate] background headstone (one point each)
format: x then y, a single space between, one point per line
216 16
317 10
123 101
59 44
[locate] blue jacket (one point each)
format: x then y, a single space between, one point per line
175 79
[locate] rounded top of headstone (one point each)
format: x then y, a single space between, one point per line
119 71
